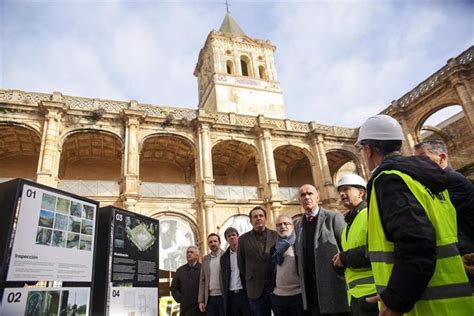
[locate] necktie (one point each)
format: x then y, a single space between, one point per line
310 218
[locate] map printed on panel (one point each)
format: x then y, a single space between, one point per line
135 249
54 238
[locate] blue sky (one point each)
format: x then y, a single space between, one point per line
338 62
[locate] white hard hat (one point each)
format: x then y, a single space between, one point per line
380 127
352 180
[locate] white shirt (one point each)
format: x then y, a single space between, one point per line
235 283
314 212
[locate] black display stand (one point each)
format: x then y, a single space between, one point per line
127 261
47 238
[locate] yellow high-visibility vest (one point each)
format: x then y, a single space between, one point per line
359 281
448 291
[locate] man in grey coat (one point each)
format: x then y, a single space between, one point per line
318 234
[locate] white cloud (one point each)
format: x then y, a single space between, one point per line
338 61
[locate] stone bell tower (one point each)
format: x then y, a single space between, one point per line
237 74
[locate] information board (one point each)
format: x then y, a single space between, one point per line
61 301
135 249
133 301
54 238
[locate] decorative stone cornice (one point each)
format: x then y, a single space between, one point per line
452 66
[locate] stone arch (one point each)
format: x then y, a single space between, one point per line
70 132
342 161
293 165
91 154
185 138
177 232
420 121
234 163
19 150
33 128
167 158
454 132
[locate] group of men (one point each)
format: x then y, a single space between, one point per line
398 253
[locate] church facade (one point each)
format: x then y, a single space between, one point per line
204 169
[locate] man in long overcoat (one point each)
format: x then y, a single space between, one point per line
318 234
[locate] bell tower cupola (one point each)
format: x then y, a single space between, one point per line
237 74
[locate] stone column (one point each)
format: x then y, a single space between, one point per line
205 160
327 189
408 131
274 209
131 157
266 153
362 166
48 163
269 159
254 65
270 63
238 66
467 101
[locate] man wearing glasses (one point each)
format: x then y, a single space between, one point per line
286 296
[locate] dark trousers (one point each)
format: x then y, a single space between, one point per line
261 306
313 303
287 305
360 307
215 306
189 310
238 304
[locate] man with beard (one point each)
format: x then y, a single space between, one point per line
286 296
210 292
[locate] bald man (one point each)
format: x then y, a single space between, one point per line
318 234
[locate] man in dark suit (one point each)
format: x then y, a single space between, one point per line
253 258
318 234
233 282
185 284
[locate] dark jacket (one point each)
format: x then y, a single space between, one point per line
185 288
406 224
356 257
253 264
225 270
330 284
461 193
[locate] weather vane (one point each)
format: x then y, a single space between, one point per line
227 6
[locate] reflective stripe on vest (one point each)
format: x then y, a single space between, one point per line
367 280
444 251
359 282
448 291
441 291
